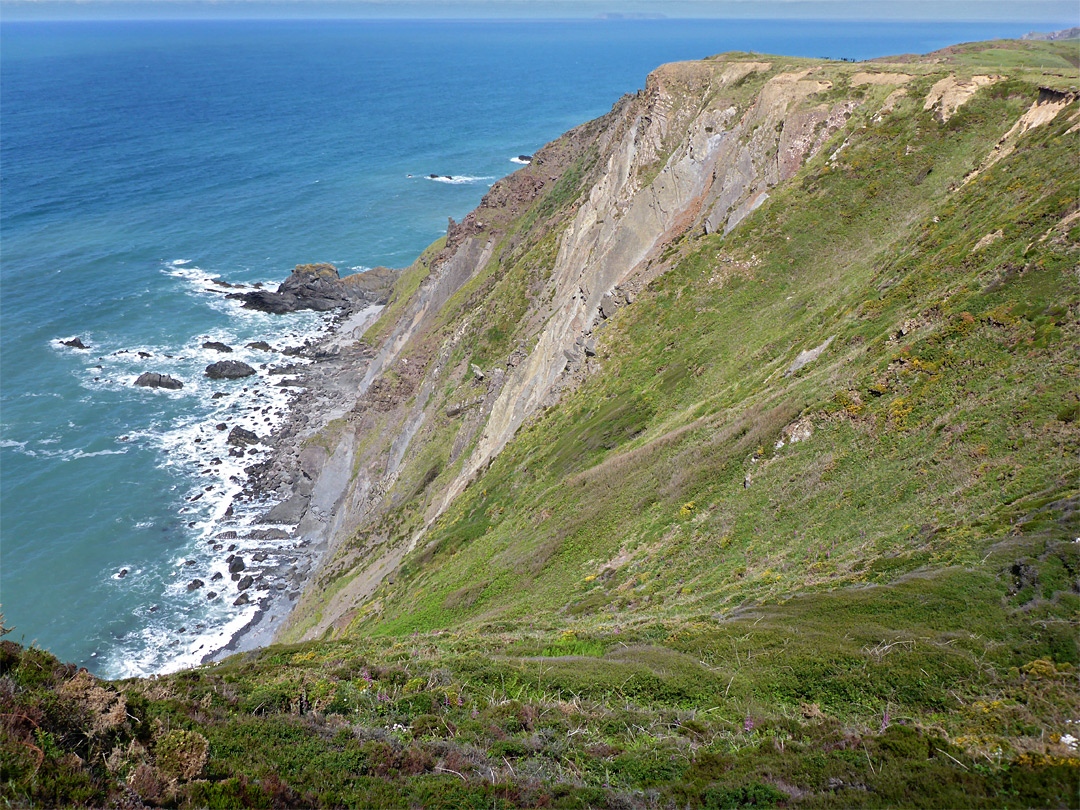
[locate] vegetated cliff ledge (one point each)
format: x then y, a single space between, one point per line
725 456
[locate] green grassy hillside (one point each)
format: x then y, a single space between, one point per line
720 570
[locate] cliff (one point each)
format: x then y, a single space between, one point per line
724 456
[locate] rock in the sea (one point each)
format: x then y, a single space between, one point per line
245 582
195 584
242 599
241 438
319 287
217 346
525 158
151 379
261 345
74 343
216 576
236 564
228 370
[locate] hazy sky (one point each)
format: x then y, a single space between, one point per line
1037 13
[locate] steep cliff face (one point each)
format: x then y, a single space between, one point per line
504 317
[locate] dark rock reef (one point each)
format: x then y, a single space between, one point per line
320 288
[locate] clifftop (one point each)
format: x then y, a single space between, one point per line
724 456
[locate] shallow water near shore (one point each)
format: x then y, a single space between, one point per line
142 161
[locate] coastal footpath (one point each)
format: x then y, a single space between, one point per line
724 456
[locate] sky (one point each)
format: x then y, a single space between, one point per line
1040 14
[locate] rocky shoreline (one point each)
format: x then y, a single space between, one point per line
292 533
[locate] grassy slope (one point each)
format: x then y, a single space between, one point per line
923 446
644 600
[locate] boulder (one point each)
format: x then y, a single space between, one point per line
195 584
261 345
525 158
151 379
245 582
242 599
217 346
236 565
228 370
74 343
241 438
607 306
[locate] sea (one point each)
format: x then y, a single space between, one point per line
143 164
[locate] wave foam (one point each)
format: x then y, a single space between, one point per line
182 627
459 179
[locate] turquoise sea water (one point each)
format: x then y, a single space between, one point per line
138 161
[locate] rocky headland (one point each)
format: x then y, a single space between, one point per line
319 287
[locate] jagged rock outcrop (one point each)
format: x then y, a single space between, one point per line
319 287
